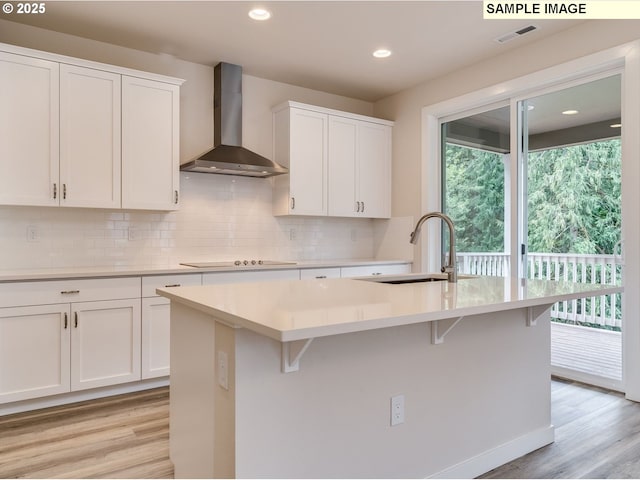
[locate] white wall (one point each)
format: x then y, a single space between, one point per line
220 218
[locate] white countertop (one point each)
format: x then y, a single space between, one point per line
17 275
302 309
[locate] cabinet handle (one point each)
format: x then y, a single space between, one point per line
362 207
177 197
64 191
321 276
174 285
55 191
376 273
69 292
66 320
75 320
357 207
293 203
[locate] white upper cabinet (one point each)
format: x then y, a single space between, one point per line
89 137
76 133
373 170
29 138
300 144
340 163
150 144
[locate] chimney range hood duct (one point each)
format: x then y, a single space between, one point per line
228 156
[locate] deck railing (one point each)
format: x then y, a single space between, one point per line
603 311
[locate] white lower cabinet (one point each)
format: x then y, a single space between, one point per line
156 322
105 343
48 347
34 351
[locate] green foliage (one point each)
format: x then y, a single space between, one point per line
474 198
574 198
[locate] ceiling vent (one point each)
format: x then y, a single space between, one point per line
518 33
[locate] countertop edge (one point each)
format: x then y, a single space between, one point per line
135 271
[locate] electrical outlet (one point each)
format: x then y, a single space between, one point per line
397 410
223 370
132 233
33 234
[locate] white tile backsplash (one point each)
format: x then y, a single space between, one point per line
220 218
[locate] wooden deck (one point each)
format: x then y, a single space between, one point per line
587 350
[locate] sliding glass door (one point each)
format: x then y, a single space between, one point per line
567 175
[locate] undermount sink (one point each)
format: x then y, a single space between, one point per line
413 278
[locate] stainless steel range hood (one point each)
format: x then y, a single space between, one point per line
228 156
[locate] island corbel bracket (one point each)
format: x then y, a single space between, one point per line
440 328
292 353
534 313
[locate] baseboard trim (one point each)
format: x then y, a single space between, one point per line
499 455
80 396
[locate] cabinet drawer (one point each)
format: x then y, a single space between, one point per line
250 276
319 273
366 270
63 291
149 284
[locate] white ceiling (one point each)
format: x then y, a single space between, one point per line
322 45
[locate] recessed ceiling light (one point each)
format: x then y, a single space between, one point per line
616 125
260 14
570 112
382 53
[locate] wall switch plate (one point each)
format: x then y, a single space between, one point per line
33 234
397 410
223 370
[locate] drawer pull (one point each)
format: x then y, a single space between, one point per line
376 273
321 276
69 292
174 285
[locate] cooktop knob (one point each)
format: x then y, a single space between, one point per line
246 262
237 262
253 262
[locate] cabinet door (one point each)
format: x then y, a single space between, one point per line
341 186
150 144
89 137
105 343
308 163
155 337
29 134
34 351
374 170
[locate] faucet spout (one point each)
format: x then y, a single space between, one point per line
451 269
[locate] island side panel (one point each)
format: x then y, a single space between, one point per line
192 393
476 401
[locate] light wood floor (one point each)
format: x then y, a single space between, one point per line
126 436
597 436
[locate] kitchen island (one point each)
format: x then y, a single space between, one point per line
296 378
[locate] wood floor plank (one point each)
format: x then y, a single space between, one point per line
126 436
